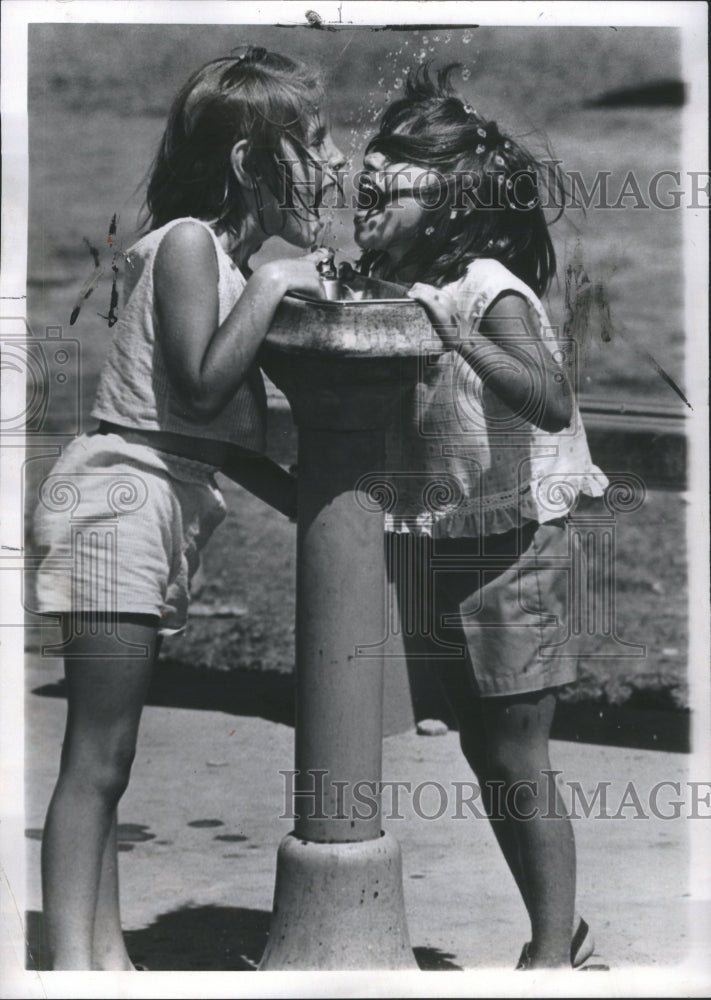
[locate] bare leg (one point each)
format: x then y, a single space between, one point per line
535 850
505 740
467 707
109 948
517 731
106 690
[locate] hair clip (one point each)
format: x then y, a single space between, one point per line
481 132
253 53
481 148
468 109
507 144
499 160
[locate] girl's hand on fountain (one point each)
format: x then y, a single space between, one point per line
441 311
299 274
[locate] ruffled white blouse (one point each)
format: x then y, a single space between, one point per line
459 461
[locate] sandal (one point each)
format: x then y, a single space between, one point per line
582 946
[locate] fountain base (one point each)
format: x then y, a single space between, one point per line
338 907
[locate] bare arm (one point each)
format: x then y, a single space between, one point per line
206 360
507 352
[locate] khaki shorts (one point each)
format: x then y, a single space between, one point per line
502 606
122 526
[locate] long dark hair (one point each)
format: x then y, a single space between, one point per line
489 200
260 96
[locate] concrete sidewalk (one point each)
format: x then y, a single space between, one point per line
200 827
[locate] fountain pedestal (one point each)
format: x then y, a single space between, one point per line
338 900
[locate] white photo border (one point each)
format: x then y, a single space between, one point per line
15 980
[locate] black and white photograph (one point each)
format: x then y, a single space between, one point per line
354 604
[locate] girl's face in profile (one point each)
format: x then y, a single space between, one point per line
392 208
300 224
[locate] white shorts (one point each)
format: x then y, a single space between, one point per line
122 526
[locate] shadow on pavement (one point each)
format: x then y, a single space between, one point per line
205 938
197 938
269 694
434 960
623 726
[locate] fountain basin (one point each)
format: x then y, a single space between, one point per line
382 323
342 363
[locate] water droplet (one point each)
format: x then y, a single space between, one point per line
466 73
425 39
381 81
466 37
435 38
398 83
405 70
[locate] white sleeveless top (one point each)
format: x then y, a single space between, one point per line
460 463
134 387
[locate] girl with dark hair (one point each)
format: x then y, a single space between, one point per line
245 156
486 459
